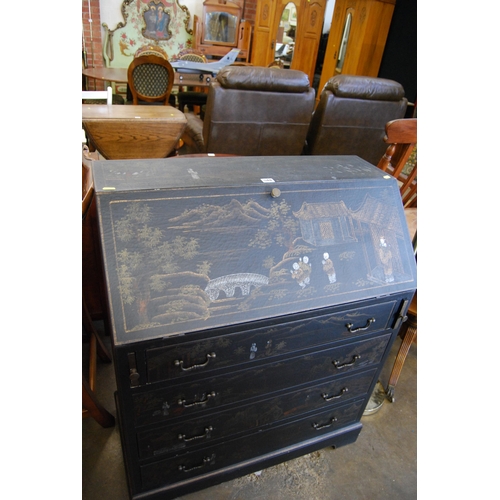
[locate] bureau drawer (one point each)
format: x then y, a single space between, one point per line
207 428
175 361
152 406
230 453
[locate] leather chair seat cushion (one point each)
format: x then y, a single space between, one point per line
257 78
363 87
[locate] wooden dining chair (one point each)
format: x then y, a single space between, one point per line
401 137
150 79
90 403
150 50
192 97
400 161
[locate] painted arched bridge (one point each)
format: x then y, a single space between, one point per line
230 282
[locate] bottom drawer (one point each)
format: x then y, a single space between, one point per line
186 466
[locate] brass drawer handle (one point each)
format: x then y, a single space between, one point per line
180 362
208 430
318 427
361 328
339 366
326 397
182 402
206 461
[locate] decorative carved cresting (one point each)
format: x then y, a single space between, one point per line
265 14
166 22
314 16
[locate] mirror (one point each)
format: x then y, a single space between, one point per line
285 37
220 27
343 43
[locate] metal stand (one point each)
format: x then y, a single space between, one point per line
376 399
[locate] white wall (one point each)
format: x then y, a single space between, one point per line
327 23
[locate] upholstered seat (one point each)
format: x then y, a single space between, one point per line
351 115
253 111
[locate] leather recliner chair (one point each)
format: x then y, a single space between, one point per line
253 111
351 115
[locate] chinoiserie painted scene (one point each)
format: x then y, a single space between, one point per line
194 262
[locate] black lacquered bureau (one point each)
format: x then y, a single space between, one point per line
253 302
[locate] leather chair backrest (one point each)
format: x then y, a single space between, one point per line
351 115
254 111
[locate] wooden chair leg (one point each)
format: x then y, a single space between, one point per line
409 336
91 405
94 408
102 351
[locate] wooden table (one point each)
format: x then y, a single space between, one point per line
119 75
133 132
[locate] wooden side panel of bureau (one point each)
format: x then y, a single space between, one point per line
253 303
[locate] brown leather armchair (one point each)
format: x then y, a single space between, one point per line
253 111
351 115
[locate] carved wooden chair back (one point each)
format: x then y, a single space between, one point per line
191 55
399 159
150 79
151 50
193 97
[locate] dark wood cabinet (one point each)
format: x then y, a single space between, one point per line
253 302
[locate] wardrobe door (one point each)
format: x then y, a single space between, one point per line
309 29
264 34
292 26
357 38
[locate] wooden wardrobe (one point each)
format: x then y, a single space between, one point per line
357 38
309 24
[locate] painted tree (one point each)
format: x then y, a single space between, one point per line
145 257
281 228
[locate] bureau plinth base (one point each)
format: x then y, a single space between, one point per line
342 437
